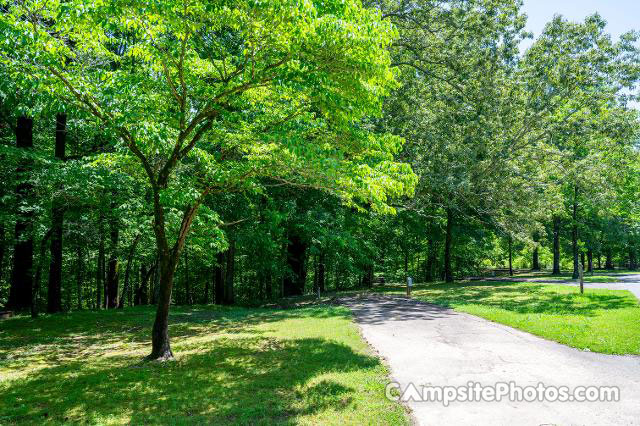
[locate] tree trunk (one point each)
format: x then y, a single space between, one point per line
322 272
168 260
574 234
608 264
229 296
218 279
535 261
296 253
79 274
582 261
38 274
510 256
187 278
113 273
2 250
142 293
155 283
590 261
160 347
21 291
431 261
100 282
127 271
368 276
448 272
268 286
633 265
406 264
54 293
556 245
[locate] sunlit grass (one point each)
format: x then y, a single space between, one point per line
234 366
606 321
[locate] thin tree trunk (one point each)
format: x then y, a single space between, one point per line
160 347
2 250
54 293
431 261
79 274
510 256
21 290
633 265
268 288
127 271
296 254
38 274
535 261
100 283
448 272
608 260
218 278
155 283
113 273
187 278
556 245
406 264
229 296
322 272
574 234
590 261
169 257
142 293
206 292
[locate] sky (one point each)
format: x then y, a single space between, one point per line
621 15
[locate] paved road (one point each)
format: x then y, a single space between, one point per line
430 345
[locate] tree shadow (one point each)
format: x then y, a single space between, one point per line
522 298
374 309
248 380
230 372
79 334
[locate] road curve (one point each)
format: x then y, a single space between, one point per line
428 345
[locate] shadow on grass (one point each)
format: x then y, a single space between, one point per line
517 297
247 380
244 377
73 333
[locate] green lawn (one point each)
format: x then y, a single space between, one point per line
234 366
588 278
606 321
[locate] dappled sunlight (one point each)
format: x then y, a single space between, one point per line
233 366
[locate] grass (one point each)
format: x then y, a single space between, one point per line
588 278
606 321
234 366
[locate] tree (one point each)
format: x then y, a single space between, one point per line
210 99
20 296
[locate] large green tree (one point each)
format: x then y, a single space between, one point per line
210 97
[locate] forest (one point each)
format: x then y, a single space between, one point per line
191 152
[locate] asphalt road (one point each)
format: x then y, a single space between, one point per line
427 345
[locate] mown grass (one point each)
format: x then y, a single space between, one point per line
547 277
234 366
606 321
